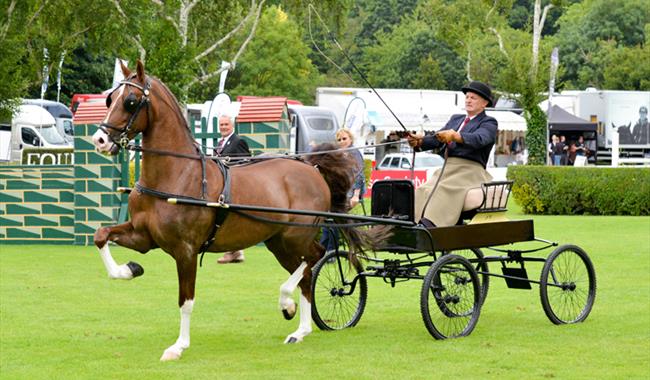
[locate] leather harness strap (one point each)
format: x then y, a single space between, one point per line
221 212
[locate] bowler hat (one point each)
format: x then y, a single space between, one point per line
481 89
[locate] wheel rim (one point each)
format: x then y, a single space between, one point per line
484 278
452 300
334 306
569 289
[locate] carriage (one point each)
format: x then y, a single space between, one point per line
187 203
452 265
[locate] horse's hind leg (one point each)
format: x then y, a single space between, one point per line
124 235
289 256
287 304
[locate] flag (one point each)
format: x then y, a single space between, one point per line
58 77
222 80
46 73
117 72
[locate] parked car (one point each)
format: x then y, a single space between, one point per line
402 161
61 115
398 166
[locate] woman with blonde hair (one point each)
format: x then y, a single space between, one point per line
345 139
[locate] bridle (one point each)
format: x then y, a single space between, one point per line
132 106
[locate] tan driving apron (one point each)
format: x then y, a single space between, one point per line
446 204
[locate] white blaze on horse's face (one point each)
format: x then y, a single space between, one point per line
101 140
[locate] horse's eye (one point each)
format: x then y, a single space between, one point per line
130 103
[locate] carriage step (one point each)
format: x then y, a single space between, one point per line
517 278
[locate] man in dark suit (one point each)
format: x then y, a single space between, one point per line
230 144
467 142
233 146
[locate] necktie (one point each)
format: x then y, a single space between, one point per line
464 124
220 145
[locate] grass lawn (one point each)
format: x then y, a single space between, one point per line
61 318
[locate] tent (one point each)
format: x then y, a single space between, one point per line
561 120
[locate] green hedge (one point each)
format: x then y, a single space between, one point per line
570 190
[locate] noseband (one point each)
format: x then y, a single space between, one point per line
131 106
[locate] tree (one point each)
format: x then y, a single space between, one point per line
27 28
404 58
183 41
628 67
277 62
591 30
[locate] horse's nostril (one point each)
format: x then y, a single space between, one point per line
101 140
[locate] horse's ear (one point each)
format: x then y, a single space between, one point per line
139 68
125 70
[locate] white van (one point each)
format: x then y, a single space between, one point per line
31 127
61 114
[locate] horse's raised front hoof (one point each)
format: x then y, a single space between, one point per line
170 355
292 339
289 312
135 268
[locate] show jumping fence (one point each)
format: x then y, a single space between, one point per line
65 204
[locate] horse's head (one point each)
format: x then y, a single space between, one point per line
127 111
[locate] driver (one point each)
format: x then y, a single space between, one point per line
466 141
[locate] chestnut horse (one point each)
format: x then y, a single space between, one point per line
173 166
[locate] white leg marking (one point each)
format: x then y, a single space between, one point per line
304 328
175 351
286 289
114 271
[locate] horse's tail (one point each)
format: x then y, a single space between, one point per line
336 167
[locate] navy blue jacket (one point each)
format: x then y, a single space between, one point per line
235 147
479 136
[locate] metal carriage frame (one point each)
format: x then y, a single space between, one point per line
456 282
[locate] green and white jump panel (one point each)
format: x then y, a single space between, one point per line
37 204
60 204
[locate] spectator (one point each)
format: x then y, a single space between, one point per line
345 139
557 150
230 145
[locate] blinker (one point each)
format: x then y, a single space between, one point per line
130 103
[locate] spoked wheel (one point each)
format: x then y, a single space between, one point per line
450 300
480 266
338 299
568 285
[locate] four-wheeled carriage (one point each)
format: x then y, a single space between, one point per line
456 280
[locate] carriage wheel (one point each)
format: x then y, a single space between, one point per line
450 300
568 285
480 266
336 305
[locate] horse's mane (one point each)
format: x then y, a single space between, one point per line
337 170
173 103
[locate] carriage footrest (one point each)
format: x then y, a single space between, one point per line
516 283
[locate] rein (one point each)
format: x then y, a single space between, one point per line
227 159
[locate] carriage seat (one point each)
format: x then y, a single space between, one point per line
395 199
490 198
